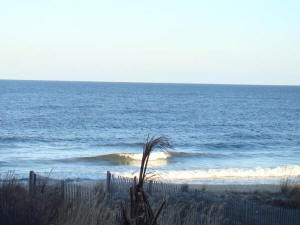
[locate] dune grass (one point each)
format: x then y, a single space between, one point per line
18 206
291 190
47 207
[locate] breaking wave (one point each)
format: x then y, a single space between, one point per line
130 159
161 158
156 158
129 156
238 173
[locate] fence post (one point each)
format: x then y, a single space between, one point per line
246 212
150 187
134 184
62 188
108 181
32 182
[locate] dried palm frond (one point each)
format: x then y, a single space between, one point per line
140 210
151 144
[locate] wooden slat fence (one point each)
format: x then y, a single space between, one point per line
75 191
238 212
120 185
68 190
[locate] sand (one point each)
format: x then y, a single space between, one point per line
218 188
236 187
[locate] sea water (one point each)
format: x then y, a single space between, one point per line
219 133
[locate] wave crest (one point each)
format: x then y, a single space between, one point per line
153 156
129 159
156 158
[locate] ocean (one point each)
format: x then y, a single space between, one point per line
219 133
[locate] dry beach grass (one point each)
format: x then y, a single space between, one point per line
46 206
19 207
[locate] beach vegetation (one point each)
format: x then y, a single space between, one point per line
290 189
18 206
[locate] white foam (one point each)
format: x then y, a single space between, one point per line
176 175
153 157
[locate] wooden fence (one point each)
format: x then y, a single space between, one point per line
114 185
121 185
68 190
238 212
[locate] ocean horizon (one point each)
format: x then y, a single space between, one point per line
232 134
146 82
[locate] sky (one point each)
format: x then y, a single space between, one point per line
169 41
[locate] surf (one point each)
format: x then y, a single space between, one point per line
230 173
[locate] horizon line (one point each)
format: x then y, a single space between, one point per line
147 82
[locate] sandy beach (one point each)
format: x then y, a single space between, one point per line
237 187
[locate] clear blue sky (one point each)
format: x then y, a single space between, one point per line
239 42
